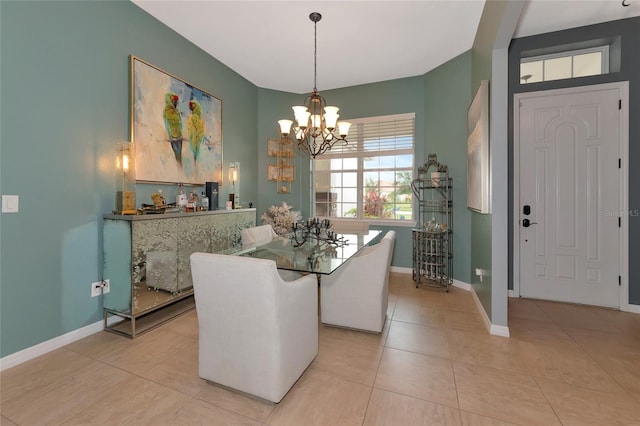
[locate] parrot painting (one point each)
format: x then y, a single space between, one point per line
195 128
173 124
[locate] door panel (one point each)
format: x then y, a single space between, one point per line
569 175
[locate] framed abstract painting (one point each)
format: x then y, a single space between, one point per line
478 151
176 128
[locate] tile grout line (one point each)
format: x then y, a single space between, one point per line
588 355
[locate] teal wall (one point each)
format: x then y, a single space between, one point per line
65 95
447 98
274 106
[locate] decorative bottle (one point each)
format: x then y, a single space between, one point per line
192 202
181 198
204 202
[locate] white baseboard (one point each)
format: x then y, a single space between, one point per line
32 352
634 309
401 270
462 285
483 313
499 330
494 330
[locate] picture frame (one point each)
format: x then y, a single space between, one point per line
478 189
176 128
273 172
288 173
284 187
273 148
287 149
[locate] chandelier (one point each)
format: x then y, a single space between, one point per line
317 127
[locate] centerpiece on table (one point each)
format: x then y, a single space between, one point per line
281 218
318 229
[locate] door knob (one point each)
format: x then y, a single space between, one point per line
527 223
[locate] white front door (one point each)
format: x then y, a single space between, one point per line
569 195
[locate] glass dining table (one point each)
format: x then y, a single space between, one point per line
313 256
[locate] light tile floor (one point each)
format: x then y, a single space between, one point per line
434 364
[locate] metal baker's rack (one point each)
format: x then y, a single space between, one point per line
433 235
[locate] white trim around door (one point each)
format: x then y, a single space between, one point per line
623 89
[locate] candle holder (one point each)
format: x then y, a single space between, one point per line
125 178
318 230
234 178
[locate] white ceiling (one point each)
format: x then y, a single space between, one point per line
270 43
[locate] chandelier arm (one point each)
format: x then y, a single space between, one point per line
327 138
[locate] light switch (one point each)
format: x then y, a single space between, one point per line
10 203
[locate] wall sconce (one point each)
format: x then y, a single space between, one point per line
234 178
125 178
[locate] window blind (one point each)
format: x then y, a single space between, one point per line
378 134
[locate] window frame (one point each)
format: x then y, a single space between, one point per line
604 65
360 170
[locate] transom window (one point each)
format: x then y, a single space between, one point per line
370 177
570 64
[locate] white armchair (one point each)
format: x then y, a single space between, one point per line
257 333
257 235
356 295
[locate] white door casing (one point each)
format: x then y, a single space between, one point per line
569 170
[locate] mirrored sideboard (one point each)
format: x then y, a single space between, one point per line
146 259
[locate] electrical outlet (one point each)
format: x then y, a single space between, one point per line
96 289
106 286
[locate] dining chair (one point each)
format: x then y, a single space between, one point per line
257 235
356 295
257 333
349 226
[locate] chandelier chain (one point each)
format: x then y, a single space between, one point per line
315 56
